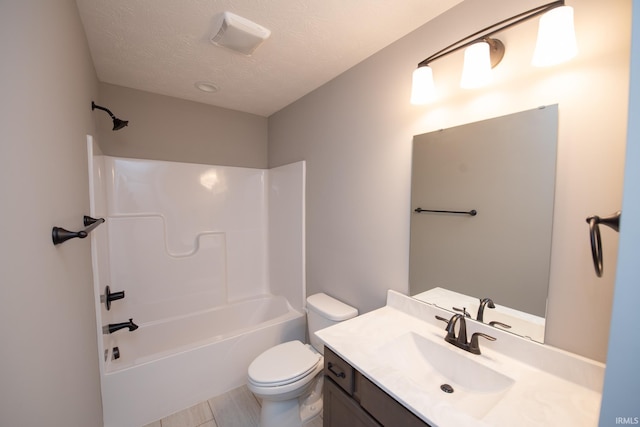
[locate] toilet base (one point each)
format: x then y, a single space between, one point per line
293 412
311 405
280 413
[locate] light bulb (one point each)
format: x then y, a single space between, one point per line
556 38
476 71
423 88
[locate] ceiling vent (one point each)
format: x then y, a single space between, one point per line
238 34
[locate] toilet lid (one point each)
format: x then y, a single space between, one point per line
283 364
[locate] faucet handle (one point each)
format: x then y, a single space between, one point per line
442 318
109 296
462 310
473 345
502 325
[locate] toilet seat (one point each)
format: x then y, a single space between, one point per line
283 364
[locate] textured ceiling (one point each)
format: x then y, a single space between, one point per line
162 46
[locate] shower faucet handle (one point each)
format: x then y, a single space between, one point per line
110 296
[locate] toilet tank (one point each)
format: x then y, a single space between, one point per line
324 311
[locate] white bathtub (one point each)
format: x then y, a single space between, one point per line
169 365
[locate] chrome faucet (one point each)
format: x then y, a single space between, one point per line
460 341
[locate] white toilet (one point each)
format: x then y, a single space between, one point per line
288 377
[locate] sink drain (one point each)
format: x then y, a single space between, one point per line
446 388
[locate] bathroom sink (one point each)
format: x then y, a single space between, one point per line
445 373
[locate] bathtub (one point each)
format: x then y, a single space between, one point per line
168 365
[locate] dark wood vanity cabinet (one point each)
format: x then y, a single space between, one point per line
341 410
351 400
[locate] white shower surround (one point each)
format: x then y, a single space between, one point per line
187 242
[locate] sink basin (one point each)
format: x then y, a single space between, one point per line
445 373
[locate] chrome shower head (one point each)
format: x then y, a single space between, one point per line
117 123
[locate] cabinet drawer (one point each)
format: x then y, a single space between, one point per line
338 370
388 411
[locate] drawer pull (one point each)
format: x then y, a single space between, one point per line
339 374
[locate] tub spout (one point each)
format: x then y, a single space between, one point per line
112 327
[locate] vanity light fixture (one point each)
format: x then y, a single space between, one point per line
556 43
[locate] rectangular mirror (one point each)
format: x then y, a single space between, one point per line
503 169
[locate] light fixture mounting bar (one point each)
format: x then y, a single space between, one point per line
491 30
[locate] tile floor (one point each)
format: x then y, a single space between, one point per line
237 408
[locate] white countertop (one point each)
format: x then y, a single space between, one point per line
552 387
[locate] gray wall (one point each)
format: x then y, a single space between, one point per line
166 128
356 132
48 355
622 381
358 153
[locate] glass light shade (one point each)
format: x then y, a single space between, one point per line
477 66
556 38
423 89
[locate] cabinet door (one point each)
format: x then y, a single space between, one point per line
340 410
386 410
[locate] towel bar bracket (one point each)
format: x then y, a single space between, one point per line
60 235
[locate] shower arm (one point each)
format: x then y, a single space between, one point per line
94 106
117 123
